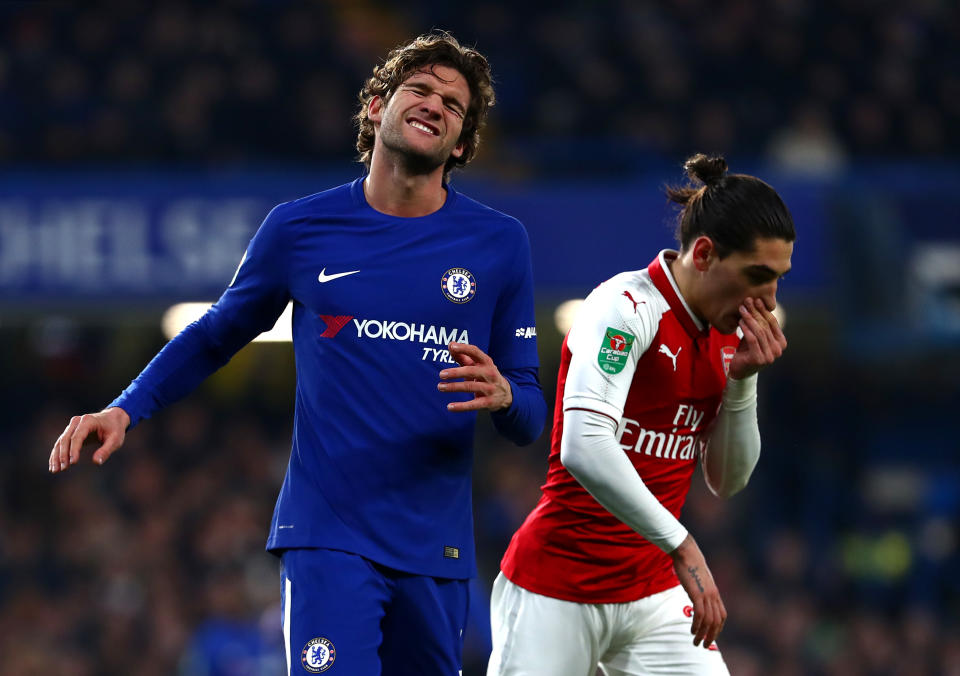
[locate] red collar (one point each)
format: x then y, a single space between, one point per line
661 280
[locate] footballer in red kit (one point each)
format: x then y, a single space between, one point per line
657 373
672 398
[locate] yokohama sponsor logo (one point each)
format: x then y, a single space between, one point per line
415 333
334 324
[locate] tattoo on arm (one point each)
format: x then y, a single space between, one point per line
693 573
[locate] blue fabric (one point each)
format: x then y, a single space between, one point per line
378 466
369 619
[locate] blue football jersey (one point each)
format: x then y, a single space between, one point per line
379 467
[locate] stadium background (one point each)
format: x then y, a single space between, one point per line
142 143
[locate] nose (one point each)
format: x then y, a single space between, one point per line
769 295
432 104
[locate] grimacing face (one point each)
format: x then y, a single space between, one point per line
727 282
422 120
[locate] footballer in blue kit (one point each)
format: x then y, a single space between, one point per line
412 310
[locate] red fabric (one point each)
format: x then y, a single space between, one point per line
570 547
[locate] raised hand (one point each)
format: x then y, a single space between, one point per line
763 342
109 425
491 391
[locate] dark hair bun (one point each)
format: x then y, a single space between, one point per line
705 169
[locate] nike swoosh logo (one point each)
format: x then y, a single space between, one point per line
324 277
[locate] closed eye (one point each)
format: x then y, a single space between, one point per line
756 277
761 274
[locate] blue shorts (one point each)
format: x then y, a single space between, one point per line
344 614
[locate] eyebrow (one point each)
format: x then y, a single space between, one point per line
766 269
425 84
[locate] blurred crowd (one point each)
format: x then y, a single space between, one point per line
154 563
235 81
840 557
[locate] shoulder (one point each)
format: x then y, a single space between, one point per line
629 294
338 198
286 218
491 218
626 302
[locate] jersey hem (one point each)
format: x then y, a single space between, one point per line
594 597
275 546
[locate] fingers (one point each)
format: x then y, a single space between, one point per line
109 426
717 626
757 324
463 359
461 351
776 331
480 375
475 386
709 616
696 627
714 618
87 424
468 372
767 321
59 456
709 613
110 444
484 395
477 404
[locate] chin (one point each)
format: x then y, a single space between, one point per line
421 162
727 327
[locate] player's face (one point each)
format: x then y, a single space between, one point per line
741 275
423 118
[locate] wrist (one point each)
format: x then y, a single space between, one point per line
740 392
684 549
119 414
508 389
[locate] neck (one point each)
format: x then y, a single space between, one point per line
392 189
685 275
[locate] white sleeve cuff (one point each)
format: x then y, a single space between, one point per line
592 404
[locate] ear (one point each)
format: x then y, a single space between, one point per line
375 110
458 150
704 253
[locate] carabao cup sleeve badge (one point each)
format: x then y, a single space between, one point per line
614 350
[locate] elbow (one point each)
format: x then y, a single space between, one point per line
527 438
728 489
570 459
524 435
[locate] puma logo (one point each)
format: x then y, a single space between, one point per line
635 303
673 357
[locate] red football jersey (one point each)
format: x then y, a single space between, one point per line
638 355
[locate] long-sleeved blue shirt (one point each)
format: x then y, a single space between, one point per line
379 466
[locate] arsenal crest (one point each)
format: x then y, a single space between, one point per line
726 354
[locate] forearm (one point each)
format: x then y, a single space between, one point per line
733 448
522 422
174 372
590 452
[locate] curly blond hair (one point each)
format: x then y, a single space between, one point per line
431 49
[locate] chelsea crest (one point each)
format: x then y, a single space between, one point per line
458 285
318 655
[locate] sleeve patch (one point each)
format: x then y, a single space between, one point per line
614 350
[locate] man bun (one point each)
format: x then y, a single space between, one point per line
706 169
733 210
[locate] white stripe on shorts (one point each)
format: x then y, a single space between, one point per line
287 602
